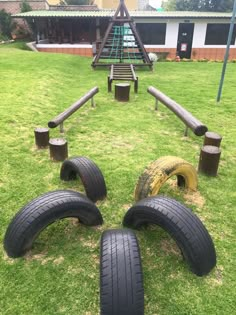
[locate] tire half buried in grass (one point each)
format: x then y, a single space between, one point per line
89 173
34 217
182 224
121 279
159 171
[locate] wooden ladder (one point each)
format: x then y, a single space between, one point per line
124 72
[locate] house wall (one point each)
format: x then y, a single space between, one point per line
113 4
212 52
53 2
85 50
199 49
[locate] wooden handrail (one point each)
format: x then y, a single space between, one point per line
133 72
112 72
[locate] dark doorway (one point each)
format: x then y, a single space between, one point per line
185 40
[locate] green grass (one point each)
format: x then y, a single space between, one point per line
61 274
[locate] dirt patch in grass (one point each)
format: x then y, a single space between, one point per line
170 248
191 197
194 197
58 260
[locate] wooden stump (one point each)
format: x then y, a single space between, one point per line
212 138
58 149
209 160
122 92
41 137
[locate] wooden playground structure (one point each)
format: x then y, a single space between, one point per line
121 43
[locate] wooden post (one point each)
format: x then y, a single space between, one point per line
212 138
98 34
58 149
186 131
122 92
41 137
92 102
109 86
71 33
37 31
156 104
136 85
209 160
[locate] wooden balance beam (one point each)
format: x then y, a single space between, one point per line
188 119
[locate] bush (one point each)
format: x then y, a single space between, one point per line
25 7
6 25
3 38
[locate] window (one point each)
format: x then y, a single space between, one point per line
152 33
217 34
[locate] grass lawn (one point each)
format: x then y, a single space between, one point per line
61 274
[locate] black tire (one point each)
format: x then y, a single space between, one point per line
121 279
89 173
184 226
43 211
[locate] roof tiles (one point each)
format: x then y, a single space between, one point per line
110 13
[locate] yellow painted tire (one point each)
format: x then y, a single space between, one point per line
158 172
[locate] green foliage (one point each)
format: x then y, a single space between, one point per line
199 5
6 24
3 37
61 273
25 6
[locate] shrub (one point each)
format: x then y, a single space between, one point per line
25 7
6 24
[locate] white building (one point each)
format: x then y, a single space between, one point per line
194 35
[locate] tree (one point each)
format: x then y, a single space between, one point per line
6 24
199 5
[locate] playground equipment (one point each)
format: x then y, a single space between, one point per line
122 72
159 171
121 42
210 154
212 138
42 211
41 137
122 92
188 119
209 160
182 224
121 277
58 120
81 167
58 149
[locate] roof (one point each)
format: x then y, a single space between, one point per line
110 13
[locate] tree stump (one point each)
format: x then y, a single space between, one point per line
58 149
209 160
41 137
122 92
212 138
